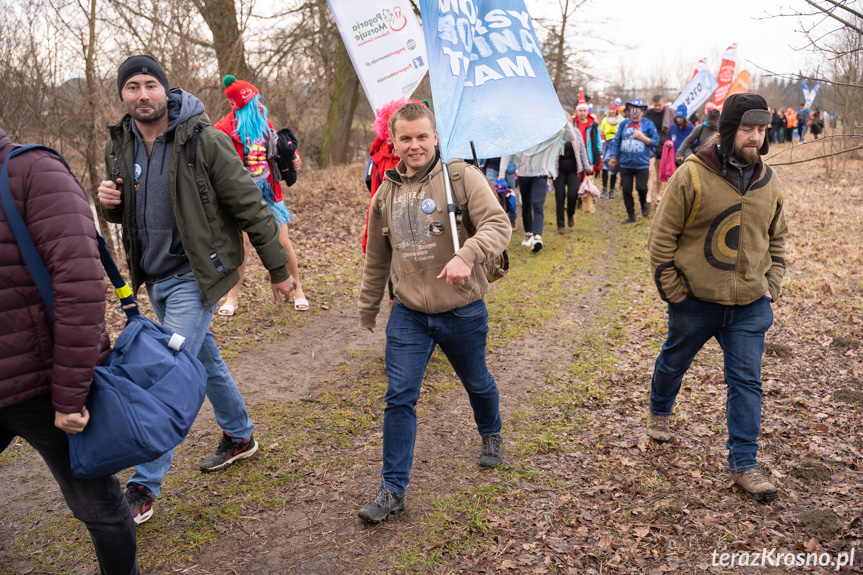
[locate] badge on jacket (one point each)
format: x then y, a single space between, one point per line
428 206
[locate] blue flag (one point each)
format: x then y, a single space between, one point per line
488 78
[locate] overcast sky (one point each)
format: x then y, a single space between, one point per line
672 35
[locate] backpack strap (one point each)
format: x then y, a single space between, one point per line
456 168
22 234
193 146
696 186
383 197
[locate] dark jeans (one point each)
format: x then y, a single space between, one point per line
533 191
740 330
412 336
98 503
565 194
605 180
626 177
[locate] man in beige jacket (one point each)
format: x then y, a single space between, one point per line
438 295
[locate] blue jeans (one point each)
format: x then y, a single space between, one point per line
493 174
740 332
411 339
98 503
178 306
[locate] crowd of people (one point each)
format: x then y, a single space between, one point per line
191 197
789 125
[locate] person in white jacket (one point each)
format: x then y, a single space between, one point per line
535 166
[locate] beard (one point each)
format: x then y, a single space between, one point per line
156 112
746 156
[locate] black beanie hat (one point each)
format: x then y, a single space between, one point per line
140 64
742 109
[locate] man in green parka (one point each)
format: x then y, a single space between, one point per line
183 197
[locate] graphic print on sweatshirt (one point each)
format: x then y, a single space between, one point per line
629 143
411 227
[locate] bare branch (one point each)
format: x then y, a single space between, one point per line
846 8
817 157
835 17
796 76
819 140
122 5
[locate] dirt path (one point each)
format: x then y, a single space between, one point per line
317 530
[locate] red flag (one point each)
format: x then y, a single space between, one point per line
699 66
726 74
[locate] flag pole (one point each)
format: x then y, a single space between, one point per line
451 208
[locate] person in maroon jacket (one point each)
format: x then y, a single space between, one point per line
46 367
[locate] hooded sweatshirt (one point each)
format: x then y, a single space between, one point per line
419 241
717 242
161 249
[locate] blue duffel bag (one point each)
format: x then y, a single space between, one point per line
143 401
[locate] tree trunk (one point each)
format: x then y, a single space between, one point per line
561 47
91 154
221 18
343 103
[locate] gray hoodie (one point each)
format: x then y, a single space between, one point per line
696 140
162 253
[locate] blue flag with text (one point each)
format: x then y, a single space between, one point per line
489 80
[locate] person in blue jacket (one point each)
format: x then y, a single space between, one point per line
631 150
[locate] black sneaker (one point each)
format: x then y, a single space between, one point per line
228 452
629 220
492 450
645 210
140 500
384 504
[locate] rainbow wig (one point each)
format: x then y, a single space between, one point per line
252 122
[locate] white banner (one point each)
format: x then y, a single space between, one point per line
699 89
386 45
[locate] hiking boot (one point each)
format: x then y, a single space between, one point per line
384 504
629 220
228 451
604 193
659 427
645 210
536 244
570 221
561 230
528 240
140 500
610 194
492 450
753 482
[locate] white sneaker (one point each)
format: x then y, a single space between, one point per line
528 240
536 243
